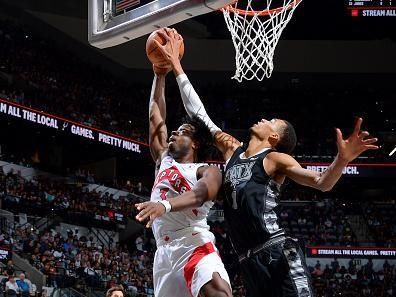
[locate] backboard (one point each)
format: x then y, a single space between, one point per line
112 22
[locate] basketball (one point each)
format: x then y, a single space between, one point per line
154 54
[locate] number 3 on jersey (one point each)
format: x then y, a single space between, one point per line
163 193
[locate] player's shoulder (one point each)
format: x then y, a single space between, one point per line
276 163
280 158
204 167
163 157
273 154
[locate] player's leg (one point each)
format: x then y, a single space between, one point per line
217 287
167 282
205 274
296 280
257 274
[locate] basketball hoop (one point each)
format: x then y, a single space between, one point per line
255 34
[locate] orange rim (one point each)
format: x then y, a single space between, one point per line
262 12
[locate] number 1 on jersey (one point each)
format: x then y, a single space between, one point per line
234 201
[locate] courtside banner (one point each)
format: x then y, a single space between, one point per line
5 253
357 169
350 252
377 170
55 122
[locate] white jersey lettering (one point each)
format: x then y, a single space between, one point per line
172 180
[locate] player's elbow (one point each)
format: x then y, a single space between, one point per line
325 188
203 193
322 185
200 202
199 198
209 185
152 116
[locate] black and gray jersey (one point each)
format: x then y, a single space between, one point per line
251 201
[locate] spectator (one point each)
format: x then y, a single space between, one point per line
32 287
139 243
335 265
116 291
24 287
317 270
11 287
9 269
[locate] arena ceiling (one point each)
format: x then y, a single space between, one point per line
319 38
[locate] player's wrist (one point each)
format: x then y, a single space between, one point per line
181 78
161 72
342 159
177 68
166 204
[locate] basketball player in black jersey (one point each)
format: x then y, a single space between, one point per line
272 263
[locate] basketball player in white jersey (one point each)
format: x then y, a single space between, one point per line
186 262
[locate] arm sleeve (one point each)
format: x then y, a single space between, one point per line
193 104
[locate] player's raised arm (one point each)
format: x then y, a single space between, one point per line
348 150
226 143
158 134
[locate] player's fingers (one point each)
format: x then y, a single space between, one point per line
144 214
140 215
164 35
150 222
364 134
159 45
338 135
162 48
370 140
140 206
357 126
371 147
168 30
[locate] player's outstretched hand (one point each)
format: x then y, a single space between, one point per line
149 210
359 141
171 49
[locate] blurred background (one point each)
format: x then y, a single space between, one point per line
74 156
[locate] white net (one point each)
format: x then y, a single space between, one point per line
255 35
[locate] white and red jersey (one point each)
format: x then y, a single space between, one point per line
173 179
